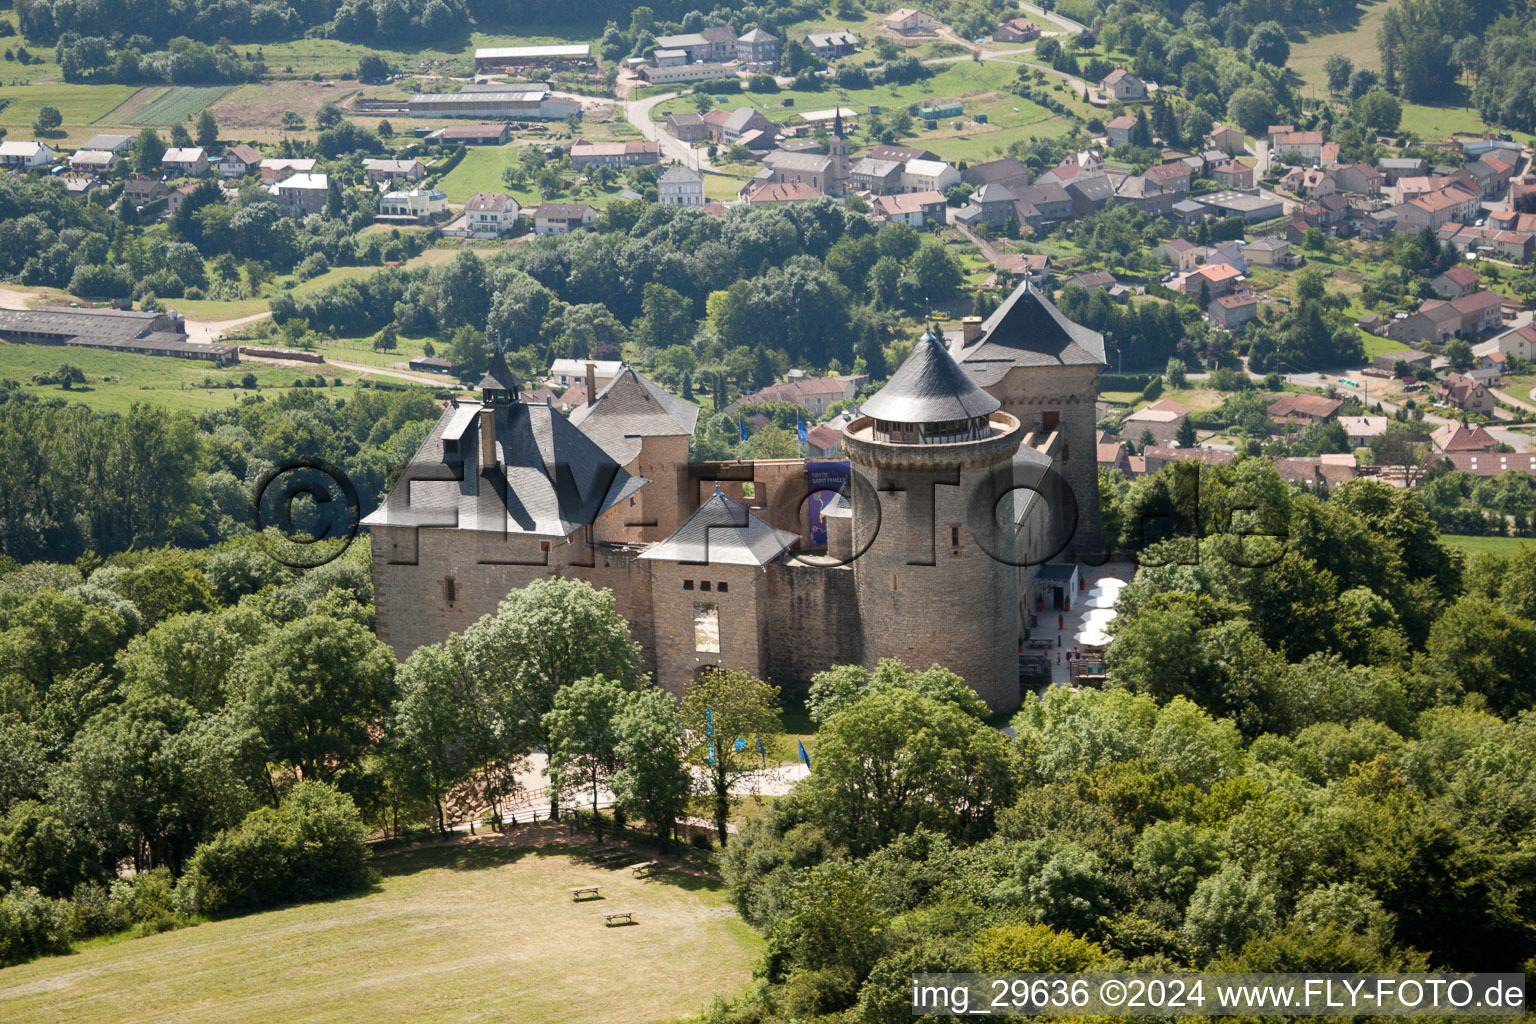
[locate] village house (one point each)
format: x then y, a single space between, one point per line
616 155
1016 30
1218 278
1395 168
877 177
1233 174
1162 419
562 218
93 161
1121 85
239 160
1171 177
928 176
772 193
1181 254
758 47
1457 437
1233 311
919 209
909 20
26 155
688 127
1520 343
1294 409
1268 252
1012 268
1362 430
417 205
190 160
141 191
490 214
1118 131
813 394
1456 281
1361 178
823 441
1227 139
300 195
1465 394
680 186
831 45
1284 143
275 169
382 171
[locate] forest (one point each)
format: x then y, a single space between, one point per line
1314 755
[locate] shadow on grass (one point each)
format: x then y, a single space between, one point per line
458 857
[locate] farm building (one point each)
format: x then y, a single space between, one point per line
512 104
146 333
497 58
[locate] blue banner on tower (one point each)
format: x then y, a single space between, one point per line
825 481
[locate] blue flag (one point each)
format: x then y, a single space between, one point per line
803 755
709 722
760 749
710 753
741 744
743 425
800 428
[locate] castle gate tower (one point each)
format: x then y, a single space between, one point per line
932 455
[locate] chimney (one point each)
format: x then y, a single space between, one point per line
487 436
970 328
591 382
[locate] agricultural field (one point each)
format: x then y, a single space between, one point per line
1473 546
473 931
116 380
175 106
79 105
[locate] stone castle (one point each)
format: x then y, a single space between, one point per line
970 485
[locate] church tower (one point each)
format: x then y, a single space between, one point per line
837 148
932 456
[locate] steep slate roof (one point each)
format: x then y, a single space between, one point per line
629 408
929 387
722 532
1027 330
557 479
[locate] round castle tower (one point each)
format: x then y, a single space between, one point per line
934 452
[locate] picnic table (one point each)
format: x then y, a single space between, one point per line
644 868
611 855
578 891
610 916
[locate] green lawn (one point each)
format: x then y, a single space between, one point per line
480 171
1376 345
468 932
116 380
1487 545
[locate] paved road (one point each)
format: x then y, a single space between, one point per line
1040 16
638 114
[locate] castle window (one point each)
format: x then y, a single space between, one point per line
956 536
722 586
544 546
704 585
1050 420
895 583
687 584
449 590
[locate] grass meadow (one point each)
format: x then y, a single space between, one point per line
473 931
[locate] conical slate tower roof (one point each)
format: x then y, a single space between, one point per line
929 387
498 377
